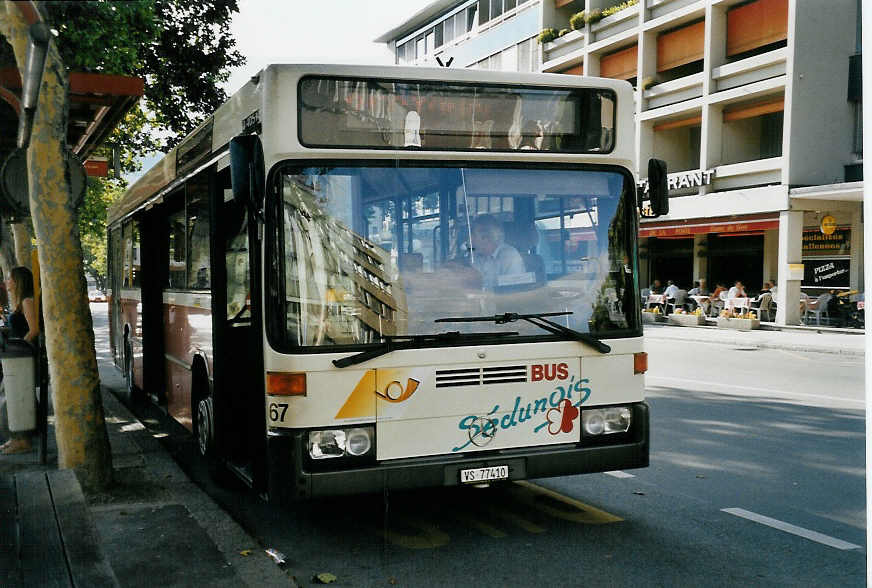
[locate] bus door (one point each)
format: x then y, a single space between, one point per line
238 382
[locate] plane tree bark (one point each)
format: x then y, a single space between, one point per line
82 439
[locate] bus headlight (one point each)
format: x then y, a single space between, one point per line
358 441
340 442
327 444
604 421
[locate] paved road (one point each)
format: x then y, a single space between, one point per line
756 478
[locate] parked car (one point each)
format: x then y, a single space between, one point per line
96 295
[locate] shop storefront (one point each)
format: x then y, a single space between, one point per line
721 250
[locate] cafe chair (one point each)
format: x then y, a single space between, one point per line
718 304
818 308
679 301
764 304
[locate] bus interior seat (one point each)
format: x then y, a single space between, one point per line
524 237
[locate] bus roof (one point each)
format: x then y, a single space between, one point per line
256 102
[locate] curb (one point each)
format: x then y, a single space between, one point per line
256 569
699 337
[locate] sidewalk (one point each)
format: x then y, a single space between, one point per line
155 527
816 339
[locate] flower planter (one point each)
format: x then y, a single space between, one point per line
616 23
651 318
738 323
686 320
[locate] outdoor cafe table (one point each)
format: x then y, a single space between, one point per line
656 300
701 301
734 303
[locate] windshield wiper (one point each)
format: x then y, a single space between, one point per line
393 342
538 320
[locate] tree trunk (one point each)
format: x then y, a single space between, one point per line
83 443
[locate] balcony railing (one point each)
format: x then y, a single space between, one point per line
562 48
753 69
748 173
616 23
658 8
674 91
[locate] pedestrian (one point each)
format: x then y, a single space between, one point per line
23 325
737 291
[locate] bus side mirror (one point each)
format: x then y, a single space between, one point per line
247 170
658 191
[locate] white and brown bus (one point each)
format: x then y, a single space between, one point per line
357 278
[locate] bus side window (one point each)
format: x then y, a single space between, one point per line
198 236
177 277
236 260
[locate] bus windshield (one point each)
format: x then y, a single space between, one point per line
365 251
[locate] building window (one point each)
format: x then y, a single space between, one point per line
756 27
438 35
525 52
420 47
858 129
753 131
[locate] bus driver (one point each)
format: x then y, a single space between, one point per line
492 256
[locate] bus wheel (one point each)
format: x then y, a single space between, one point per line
128 371
205 429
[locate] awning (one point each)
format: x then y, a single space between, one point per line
97 103
723 226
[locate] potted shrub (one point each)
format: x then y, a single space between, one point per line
576 21
594 16
547 35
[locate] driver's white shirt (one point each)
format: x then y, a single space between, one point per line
505 260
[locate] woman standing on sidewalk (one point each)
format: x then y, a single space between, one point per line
22 325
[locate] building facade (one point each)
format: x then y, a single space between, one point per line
756 106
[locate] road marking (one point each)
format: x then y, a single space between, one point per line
619 474
563 507
719 388
792 529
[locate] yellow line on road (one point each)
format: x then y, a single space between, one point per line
562 506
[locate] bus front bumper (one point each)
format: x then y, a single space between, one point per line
289 481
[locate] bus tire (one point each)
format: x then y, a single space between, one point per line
204 430
129 383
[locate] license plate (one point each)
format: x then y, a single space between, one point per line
477 475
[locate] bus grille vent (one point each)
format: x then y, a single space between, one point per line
504 375
478 376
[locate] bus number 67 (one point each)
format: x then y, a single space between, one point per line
277 411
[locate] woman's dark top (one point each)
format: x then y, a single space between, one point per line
18 327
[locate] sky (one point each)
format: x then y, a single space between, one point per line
298 31
323 31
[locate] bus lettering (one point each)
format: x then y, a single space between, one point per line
552 371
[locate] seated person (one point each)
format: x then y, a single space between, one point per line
656 287
737 291
671 289
492 256
695 290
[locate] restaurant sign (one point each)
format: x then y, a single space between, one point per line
826 273
815 243
684 179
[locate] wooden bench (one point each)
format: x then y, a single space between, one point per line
54 542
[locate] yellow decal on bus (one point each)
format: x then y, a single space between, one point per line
361 401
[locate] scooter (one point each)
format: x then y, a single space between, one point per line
845 311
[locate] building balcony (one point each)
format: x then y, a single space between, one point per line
673 91
563 50
614 24
658 8
750 70
758 172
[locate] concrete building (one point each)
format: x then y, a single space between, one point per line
755 105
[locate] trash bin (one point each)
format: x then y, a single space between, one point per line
19 385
